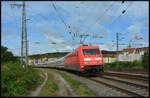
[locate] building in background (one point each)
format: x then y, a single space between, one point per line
109 58
132 54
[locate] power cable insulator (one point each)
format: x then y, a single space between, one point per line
123 11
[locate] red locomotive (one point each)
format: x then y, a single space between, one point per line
85 59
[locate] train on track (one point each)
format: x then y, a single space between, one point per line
85 59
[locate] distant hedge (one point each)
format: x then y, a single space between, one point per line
145 60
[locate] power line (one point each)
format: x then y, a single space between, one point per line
43 17
59 15
99 18
73 34
68 27
123 12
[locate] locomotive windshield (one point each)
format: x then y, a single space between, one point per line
91 51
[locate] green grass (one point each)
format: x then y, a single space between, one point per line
50 87
80 88
18 81
123 65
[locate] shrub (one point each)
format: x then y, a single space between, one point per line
145 60
18 81
122 65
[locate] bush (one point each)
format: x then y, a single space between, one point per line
121 65
18 81
144 64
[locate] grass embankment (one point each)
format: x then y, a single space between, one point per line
79 87
50 87
18 81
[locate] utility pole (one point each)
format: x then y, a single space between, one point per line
117 38
24 41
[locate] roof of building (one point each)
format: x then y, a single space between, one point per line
110 55
146 49
131 50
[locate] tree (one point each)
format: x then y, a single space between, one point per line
6 55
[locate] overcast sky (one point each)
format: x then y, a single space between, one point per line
50 22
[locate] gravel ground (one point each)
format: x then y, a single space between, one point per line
99 89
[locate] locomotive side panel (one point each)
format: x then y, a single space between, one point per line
72 62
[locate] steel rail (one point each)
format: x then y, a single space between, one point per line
127 82
118 88
130 74
136 77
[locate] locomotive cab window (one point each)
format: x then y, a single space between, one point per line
91 51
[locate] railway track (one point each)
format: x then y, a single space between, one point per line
132 89
137 77
127 82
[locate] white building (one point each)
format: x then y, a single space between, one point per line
132 54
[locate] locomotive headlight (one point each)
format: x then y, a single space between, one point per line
82 66
87 59
98 58
86 62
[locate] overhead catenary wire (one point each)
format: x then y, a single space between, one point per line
67 26
99 18
107 9
123 12
73 35
118 16
43 17
59 15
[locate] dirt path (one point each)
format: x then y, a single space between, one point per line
64 88
38 89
